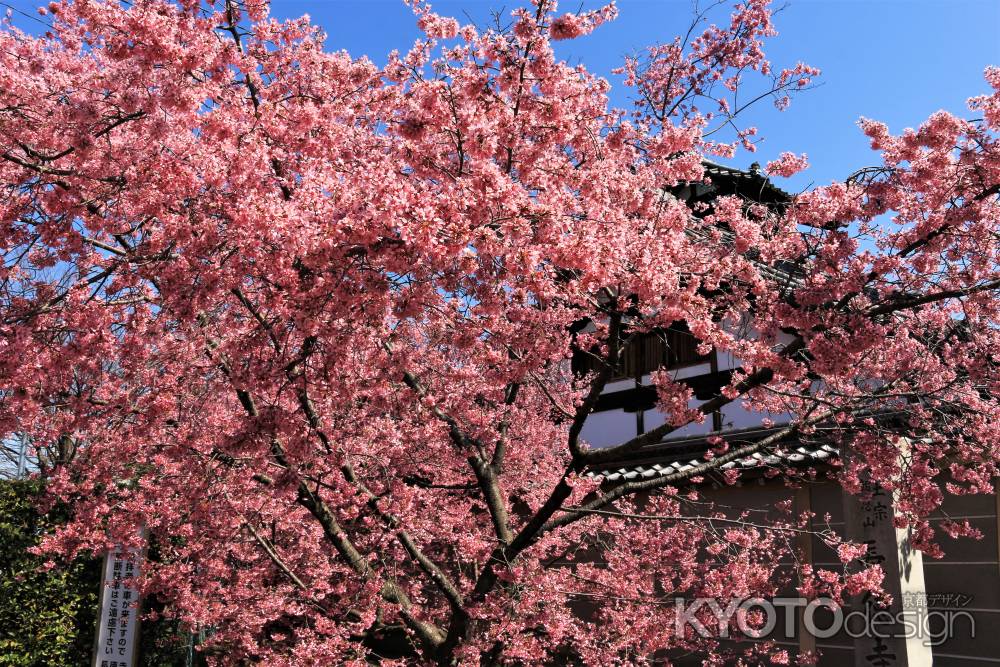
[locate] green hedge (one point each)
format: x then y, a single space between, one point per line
47 618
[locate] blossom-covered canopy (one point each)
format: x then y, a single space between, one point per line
308 321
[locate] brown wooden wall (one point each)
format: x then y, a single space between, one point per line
966 579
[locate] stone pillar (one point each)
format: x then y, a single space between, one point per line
869 520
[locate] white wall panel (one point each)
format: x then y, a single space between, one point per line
606 429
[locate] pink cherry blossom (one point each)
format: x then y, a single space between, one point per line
787 164
310 322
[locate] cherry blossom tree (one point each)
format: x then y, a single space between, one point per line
308 321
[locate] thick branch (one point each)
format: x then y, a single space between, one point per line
428 633
485 474
915 301
434 573
272 553
597 385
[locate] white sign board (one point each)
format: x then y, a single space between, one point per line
118 621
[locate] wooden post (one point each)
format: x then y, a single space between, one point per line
804 544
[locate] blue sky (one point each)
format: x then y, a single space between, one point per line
893 60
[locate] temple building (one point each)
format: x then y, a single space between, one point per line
955 599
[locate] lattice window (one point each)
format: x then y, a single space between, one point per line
670 348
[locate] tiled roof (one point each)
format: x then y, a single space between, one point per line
788 275
752 177
677 456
